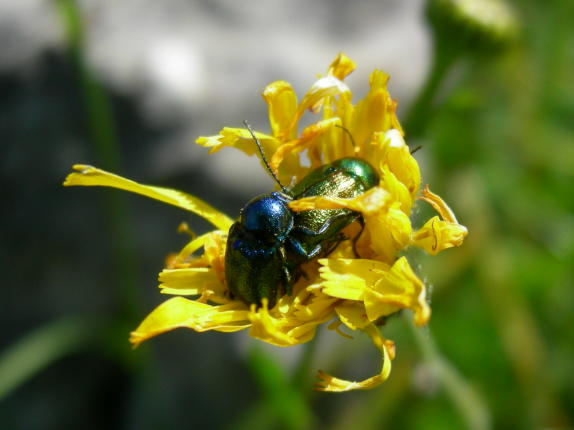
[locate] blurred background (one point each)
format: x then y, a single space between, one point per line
485 87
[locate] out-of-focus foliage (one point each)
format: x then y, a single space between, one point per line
498 144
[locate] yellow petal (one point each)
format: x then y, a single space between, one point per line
282 102
180 312
399 288
239 138
341 66
293 148
328 86
376 112
277 331
438 205
353 315
91 176
346 278
437 235
398 191
327 382
401 163
192 281
386 234
191 247
368 203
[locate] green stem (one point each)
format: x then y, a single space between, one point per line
302 376
465 399
103 137
39 349
423 108
287 403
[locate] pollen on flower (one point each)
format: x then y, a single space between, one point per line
354 277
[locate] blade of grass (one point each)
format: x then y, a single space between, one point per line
37 350
103 137
287 403
465 399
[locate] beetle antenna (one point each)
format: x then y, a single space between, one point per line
264 158
346 130
416 149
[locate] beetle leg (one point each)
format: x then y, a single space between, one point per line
289 275
333 244
299 250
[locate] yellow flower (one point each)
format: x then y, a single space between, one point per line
355 292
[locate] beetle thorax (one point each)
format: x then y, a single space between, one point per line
267 217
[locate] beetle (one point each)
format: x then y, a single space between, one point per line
269 242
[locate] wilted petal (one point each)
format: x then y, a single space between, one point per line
327 382
437 235
438 205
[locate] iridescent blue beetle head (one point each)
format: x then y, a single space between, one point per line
268 217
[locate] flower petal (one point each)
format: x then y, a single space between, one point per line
328 86
353 315
398 288
239 138
327 382
438 205
341 67
347 278
191 281
282 102
437 235
401 162
186 252
386 234
180 312
376 112
367 203
279 331
398 190
91 176
308 137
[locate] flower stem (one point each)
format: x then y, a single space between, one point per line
423 108
302 376
102 132
465 399
286 402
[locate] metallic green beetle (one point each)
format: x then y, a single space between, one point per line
269 242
